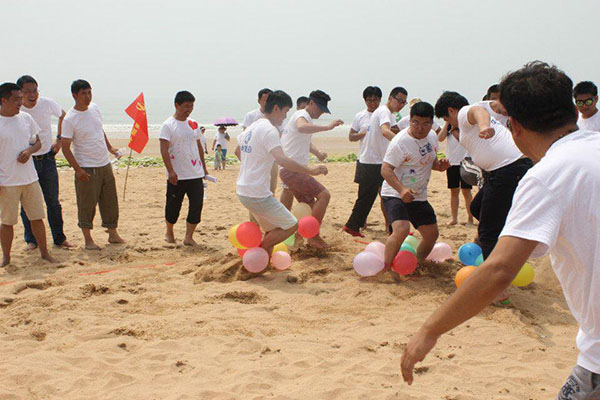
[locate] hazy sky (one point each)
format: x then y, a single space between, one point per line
224 51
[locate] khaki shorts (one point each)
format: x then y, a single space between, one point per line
269 212
31 198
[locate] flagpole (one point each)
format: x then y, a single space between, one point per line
127 173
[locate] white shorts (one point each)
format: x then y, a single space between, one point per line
269 212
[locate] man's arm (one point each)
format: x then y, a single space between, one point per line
387 131
387 172
238 152
355 136
57 143
111 149
25 154
79 172
213 145
476 293
292 165
441 165
201 151
480 117
321 156
306 127
164 153
443 133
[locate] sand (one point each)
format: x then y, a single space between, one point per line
150 320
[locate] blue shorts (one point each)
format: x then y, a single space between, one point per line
224 151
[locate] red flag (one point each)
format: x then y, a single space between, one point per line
139 132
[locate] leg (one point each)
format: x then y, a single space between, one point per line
108 203
276 236
400 230
29 238
468 199
87 198
430 234
318 211
49 184
195 192
287 198
33 202
454 200
224 158
174 199
6 237
39 231
369 179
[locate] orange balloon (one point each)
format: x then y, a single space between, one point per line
462 274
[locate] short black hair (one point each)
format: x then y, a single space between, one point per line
79 85
261 92
538 96
7 88
302 99
278 98
422 109
372 91
449 99
495 88
398 89
183 97
585 87
26 79
320 95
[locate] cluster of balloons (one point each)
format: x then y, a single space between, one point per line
246 237
308 226
371 261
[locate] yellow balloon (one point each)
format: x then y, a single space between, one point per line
301 210
233 239
280 247
525 275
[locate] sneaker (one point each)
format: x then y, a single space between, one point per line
352 232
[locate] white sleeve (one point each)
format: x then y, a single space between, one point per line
271 139
165 132
55 109
355 124
394 154
246 122
34 128
386 118
403 123
67 129
536 214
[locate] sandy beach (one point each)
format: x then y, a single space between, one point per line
151 320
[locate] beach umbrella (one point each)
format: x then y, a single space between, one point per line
226 121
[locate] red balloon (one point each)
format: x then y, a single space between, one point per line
405 263
249 235
308 227
242 251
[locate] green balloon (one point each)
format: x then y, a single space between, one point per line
412 241
479 260
408 247
290 241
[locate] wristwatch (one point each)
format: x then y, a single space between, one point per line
58 137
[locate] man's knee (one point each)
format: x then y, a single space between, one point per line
324 195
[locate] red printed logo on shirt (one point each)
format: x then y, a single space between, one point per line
192 124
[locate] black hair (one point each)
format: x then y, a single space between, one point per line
447 100
538 96
278 98
302 99
26 79
372 91
79 85
422 109
7 88
495 88
264 91
585 87
183 97
320 95
398 89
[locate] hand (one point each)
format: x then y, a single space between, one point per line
319 170
322 156
335 123
173 178
82 175
487 133
24 156
56 146
408 195
114 152
416 350
443 164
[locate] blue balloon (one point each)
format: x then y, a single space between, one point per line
468 253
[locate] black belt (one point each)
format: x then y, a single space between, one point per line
48 155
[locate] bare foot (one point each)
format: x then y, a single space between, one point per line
66 245
317 242
49 258
170 238
115 238
451 223
189 242
31 246
502 298
5 261
92 246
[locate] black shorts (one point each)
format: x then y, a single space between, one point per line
369 174
454 179
194 189
417 212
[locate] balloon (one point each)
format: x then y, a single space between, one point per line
367 263
525 275
232 237
408 247
308 227
290 241
256 259
376 248
280 247
405 263
241 252
281 260
468 253
249 235
479 260
301 210
463 274
412 241
441 252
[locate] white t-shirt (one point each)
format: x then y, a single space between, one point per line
454 151
412 160
17 133
503 119
375 144
296 145
84 128
590 124
42 114
183 148
202 140
256 143
220 137
405 122
488 154
556 204
361 123
252 116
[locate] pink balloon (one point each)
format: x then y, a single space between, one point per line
248 234
376 248
440 252
256 259
367 263
281 260
308 227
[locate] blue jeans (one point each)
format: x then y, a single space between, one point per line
48 179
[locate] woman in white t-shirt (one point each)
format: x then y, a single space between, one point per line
222 138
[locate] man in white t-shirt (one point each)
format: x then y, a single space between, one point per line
42 109
382 128
183 155
407 165
405 121
492 149
203 140
586 100
554 211
495 109
19 139
221 139
94 180
493 93
259 146
296 142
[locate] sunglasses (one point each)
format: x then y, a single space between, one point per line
587 102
